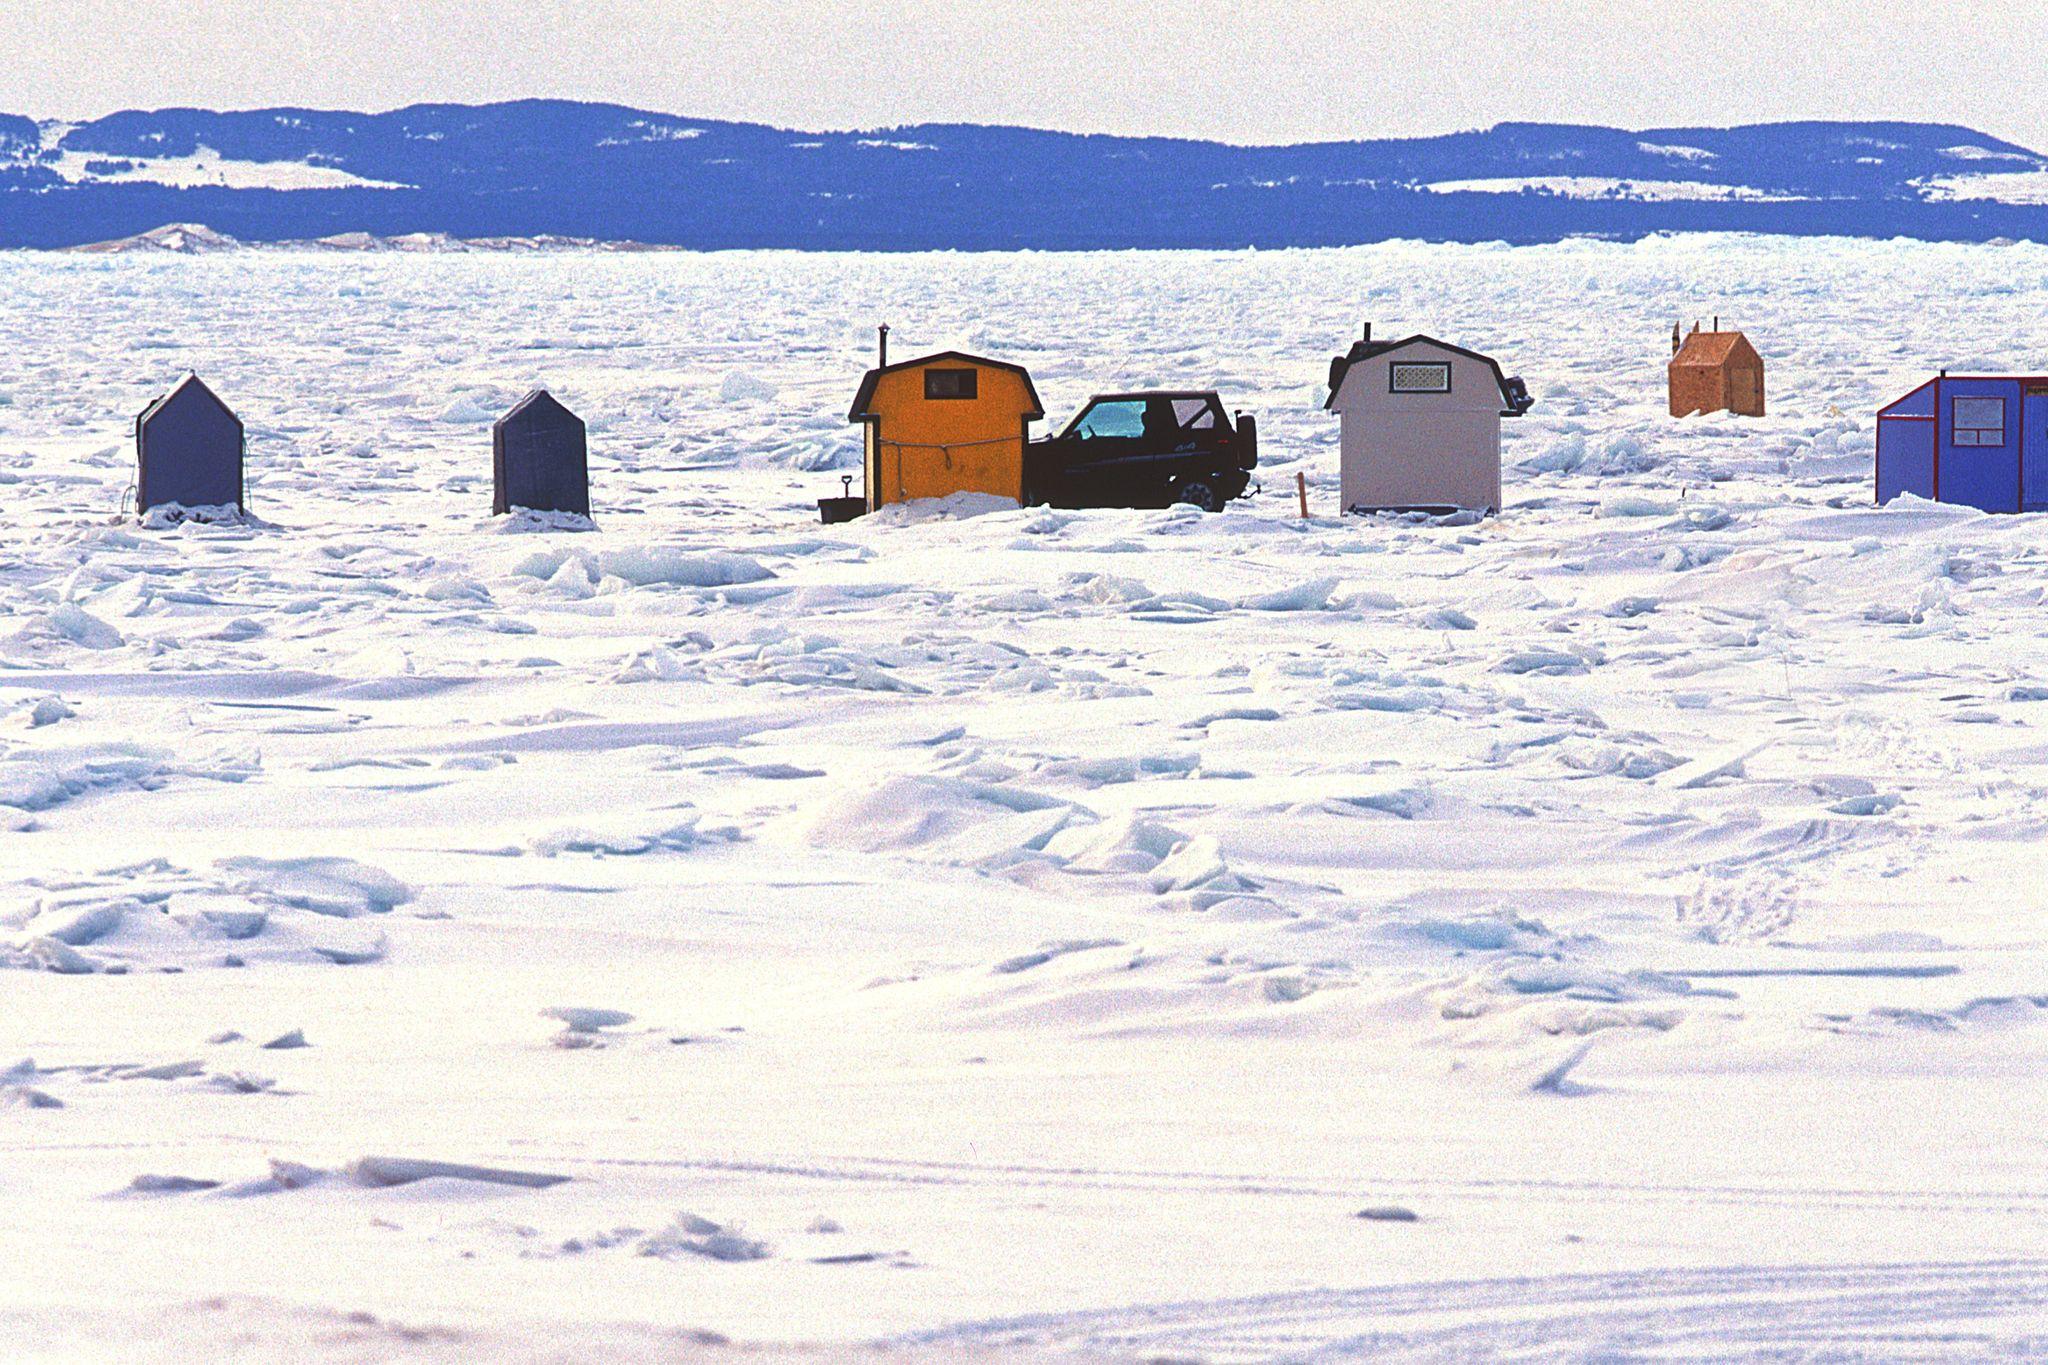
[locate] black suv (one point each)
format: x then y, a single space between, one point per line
1146 450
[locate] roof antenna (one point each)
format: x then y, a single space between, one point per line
884 334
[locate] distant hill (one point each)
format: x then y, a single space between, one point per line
538 170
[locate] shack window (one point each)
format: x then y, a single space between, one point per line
1979 421
952 384
1419 378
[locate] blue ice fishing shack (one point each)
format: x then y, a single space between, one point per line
1978 440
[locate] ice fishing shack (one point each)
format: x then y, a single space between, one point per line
1421 425
943 424
540 458
1715 371
1978 440
188 450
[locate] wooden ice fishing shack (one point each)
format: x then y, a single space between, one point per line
1715 371
943 424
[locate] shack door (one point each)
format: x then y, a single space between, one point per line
2034 451
1746 392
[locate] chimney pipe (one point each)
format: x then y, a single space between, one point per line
1368 333
1717 322
884 333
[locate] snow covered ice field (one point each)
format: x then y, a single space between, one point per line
1027 933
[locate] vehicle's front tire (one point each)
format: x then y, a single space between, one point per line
1199 493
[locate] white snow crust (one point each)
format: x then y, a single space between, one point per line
1609 187
1612 929
207 167
2003 187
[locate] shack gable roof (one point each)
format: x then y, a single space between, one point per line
190 388
1907 405
1514 395
863 401
538 408
1897 405
1713 350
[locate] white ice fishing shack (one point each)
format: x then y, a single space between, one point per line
1421 425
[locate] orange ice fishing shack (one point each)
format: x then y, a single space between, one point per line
945 423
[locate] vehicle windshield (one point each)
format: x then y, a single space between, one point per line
1111 420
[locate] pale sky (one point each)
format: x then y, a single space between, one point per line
1236 70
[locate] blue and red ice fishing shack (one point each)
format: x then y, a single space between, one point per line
1978 440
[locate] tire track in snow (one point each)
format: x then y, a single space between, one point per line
886 1170
893 1171
1968 1309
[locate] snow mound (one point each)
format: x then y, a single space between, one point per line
67 624
166 516
369 1172
586 1019
341 887
1129 843
525 521
941 819
1163 858
174 921
741 387
690 1235
623 837
658 566
1310 595
953 507
654 566
36 712
41 779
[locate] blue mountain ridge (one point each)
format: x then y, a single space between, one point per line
543 167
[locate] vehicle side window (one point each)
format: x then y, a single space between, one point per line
1979 421
1194 414
952 384
1111 420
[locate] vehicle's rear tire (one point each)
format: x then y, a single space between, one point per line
1199 493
